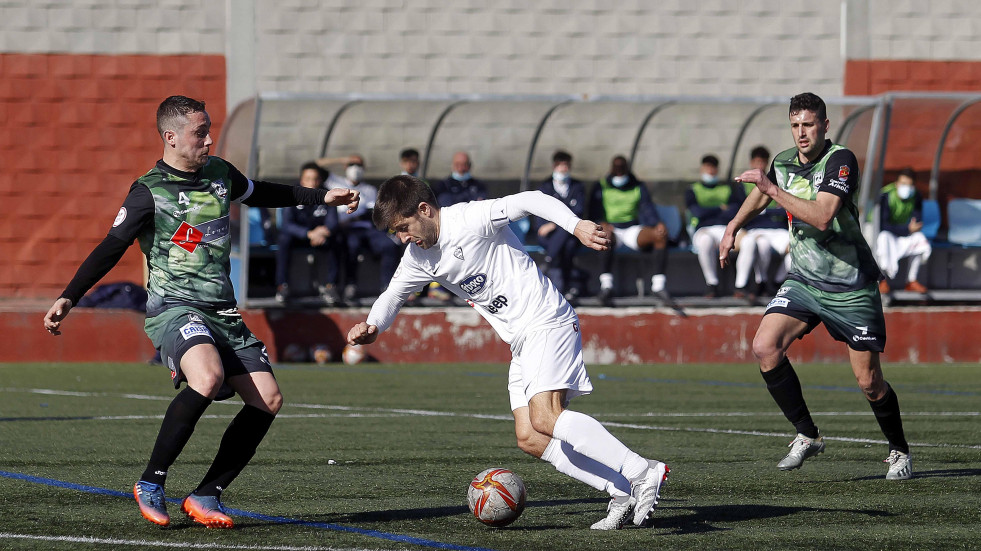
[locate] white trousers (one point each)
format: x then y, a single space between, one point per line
706 244
889 250
756 249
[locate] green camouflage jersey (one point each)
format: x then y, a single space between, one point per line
187 245
838 258
181 221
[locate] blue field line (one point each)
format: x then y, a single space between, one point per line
257 516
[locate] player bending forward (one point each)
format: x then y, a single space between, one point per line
469 249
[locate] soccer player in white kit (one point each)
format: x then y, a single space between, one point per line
470 250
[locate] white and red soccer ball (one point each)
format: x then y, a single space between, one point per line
496 497
353 354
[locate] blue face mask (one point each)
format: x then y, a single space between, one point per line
560 176
461 177
620 181
709 179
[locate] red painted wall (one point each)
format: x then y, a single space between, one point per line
459 336
916 126
75 132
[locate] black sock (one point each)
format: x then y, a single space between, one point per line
175 431
660 261
886 410
784 386
237 447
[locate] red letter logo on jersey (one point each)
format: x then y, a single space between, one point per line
843 172
187 237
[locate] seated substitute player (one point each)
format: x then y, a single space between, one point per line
901 215
833 280
471 251
179 213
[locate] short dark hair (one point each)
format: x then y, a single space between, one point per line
710 160
398 198
809 102
561 156
908 172
174 108
408 153
759 152
311 165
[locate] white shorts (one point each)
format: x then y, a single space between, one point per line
627 237
550 359
777 238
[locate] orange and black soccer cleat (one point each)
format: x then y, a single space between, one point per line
206 510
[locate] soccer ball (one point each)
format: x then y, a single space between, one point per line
353 354
496 497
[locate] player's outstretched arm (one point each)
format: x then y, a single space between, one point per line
592 235
362 333
343 196
58 311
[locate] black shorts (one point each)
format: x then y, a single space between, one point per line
176 330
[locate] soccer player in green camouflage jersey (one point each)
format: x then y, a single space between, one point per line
179 213
833 280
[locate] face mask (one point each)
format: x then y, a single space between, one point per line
904 191
354 173
560 176
620 181
461 177
708 178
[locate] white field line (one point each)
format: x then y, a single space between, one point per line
431 413
172 544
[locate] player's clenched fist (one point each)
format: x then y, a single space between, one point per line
362 333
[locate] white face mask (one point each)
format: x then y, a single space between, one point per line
620 181
708 178
461 177
905 191
354 173
560 176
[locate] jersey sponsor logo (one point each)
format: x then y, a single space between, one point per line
473 284
188 237
838 184
120 216
843 172
190 330
498 304
778 302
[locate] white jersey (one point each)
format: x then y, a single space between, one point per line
478 258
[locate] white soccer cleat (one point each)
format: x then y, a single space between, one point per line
801 448
617 515
900 465
648 489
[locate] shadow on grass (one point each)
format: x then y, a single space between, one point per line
428 512
701 519
938 473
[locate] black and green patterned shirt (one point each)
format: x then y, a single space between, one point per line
838 258
181 220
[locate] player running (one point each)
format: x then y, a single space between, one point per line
179 212
470 250
833 280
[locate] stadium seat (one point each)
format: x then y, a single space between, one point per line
931 218
964 222
671 217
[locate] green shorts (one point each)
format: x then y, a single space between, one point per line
852 317
175 330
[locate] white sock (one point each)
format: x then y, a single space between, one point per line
590 438
606 281
569 462
657 282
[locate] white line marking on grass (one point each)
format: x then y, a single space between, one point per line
174 544
431 413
